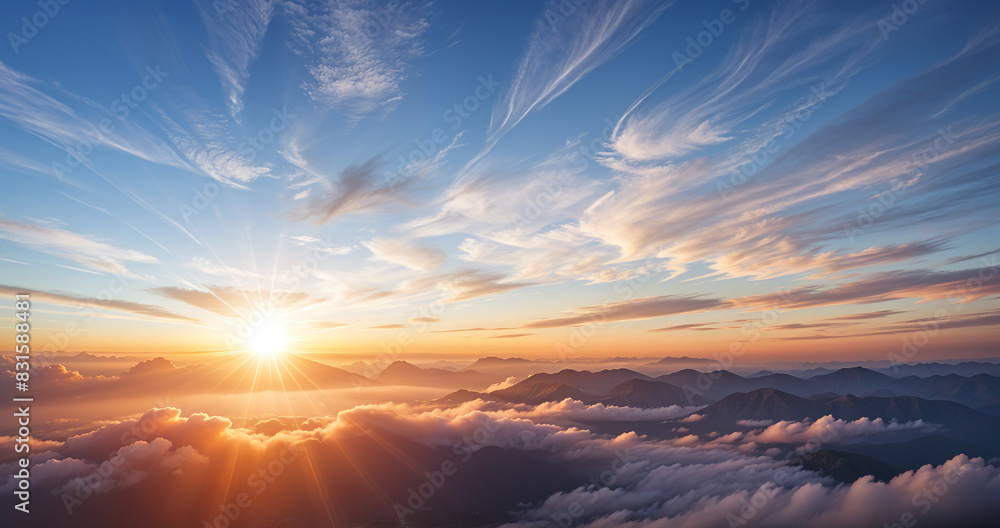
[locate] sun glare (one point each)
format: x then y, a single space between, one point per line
267 340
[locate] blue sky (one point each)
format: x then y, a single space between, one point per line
571 162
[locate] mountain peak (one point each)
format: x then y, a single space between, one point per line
541 391
858 371
399 366
763 403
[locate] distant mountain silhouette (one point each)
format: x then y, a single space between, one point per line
763 404
965 368
648 393
493 362
810 372
855 380
981 391
635 392
713 385
671 360
595 382
783 382
403 373
546 391
958 420
88 357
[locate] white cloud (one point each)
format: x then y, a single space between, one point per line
562 51
316 244
75 129
358 55
85 250
830 430
209 149
210 267
235 35
507 383
406 253
637 482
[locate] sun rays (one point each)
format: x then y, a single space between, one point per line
267 340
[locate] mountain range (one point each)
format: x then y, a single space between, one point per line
980 391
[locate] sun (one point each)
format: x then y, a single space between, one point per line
267 340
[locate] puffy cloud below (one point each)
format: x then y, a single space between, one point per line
509 382
636 481
830 430
953 493
577 410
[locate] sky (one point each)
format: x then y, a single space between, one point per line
804 181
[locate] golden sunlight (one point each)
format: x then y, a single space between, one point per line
267 340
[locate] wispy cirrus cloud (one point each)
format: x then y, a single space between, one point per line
867 315
318 245
86 250
688 326
207 145
451 286
967 285
946 322
137 310
498 198
357 54
235 36
73 124
20 163
357 189
477 329
389 326
211 267
789 216
872 288
406 252
642 308
235 302
464 285
559 54
757 67
322 326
